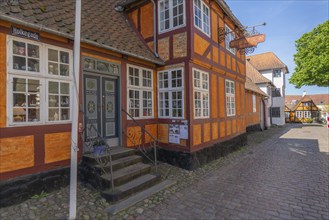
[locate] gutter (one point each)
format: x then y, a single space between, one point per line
154 30
51 31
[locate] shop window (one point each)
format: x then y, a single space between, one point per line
39 82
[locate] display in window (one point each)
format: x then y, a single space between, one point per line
53 101
53 114
64 57
19 63
33 51
19 114
65 114
64 70
52 55
33 65
34 115
52 68
65 101
19 48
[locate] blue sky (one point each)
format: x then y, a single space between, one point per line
286 22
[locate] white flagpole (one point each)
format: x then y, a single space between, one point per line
75 112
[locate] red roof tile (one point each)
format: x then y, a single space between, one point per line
318 99
265 61
249 85
255 75
101 25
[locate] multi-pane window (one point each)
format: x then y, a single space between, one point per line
277 73
39 82
299 114
307 114
171 93
287 114
230 97
58 62
201 93
254 103
140 92
276 112
229 36
171 14
26 56
26 100
201 16
58 101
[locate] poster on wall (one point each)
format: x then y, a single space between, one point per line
183 131
174 136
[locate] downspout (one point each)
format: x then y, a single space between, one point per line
154 30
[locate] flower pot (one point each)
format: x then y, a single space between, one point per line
99 150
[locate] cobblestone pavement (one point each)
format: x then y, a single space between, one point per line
285 177
281 174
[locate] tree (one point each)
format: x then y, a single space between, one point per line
312 58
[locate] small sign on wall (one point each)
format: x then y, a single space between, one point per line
174 134
25 33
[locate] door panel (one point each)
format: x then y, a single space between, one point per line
101 107
92 104
110 107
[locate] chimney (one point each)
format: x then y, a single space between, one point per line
304 93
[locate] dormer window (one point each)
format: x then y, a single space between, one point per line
171 14
277 73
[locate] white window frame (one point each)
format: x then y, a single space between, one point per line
230 111
202 91
171 17
170 89
254 106
307 114
202 19
229 36
299 114
43 78
141 89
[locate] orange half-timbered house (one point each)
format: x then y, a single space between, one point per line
303 110
159 63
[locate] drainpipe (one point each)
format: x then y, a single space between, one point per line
154 30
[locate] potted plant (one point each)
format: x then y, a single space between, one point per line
99 147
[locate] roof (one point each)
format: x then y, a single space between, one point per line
101 25
318 99
249 85
265 61
293 106
255 75
228 11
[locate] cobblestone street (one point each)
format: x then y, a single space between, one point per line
285 177
281 174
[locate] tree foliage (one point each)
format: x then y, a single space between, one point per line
312 58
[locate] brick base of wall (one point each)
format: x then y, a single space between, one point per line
255 127
17 190
192 161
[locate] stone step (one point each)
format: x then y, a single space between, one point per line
125 174
121 163
126 203
116 152
132 187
